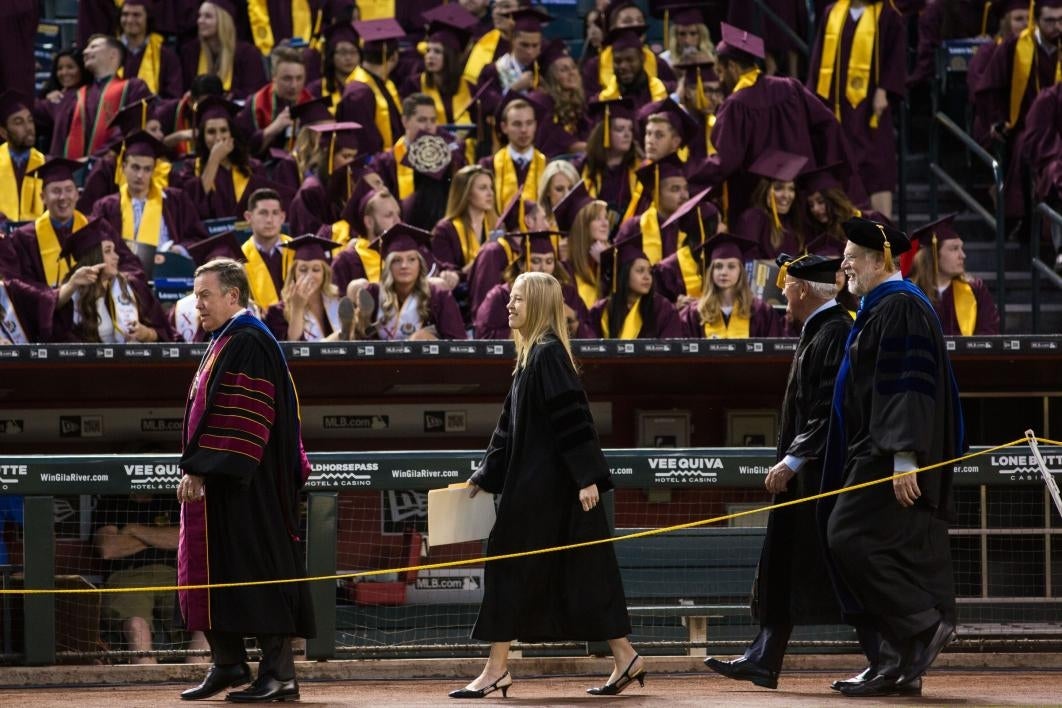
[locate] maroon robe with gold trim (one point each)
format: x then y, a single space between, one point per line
667 326
178 212
987 314
135 90
492 318
248 69
763 321
755 225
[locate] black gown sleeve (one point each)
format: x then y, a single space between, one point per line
491 473
821 363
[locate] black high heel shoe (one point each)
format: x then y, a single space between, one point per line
484 692
616 687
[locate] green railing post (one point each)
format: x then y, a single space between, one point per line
321 515
39 551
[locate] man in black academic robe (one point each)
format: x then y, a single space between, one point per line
792 586
243 466
895 409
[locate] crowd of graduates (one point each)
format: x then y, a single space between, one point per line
394 166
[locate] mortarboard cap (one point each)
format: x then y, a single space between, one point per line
1002 7
429 155
568 208
612 108
143 144
224 245
628 247
311 248
728 246
778 165
58 169
668 166
629 37
553 52
340 135
214 107
450 25
737 41
822 178
815 269
939 231
11 102
341 32
676 115
678 12
703 71
541 241
403 237
378 31
510 97
529 19
149 4
877 237
354 209
691 215
227 5
133 117
313 111
92 234
512 217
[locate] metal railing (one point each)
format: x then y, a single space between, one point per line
802 45
1040 269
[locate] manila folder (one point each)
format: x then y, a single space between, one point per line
453 517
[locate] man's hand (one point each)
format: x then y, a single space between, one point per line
191 489
589 497
881 101
906 489
778 478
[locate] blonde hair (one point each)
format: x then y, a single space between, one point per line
579 239
327 286
461 194
710 306
554 168
307 152
226 60
389 298
544 305
704 43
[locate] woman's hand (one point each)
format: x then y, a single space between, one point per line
301 293
142 333
589 497
473 489
222 149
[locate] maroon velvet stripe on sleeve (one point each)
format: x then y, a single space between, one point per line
241 416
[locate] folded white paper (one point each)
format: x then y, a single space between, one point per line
453 517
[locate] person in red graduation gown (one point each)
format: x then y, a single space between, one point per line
97 302
20 196
82 129
852 33
763 112
164 219
727 309
488 267
633 310
609 168
370 211
963 303
774 220
31 252
216 50
405 305
327 187
147 57
308 310
266 119
1013 19
342 55
540 256
370 97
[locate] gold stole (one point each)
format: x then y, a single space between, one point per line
370 259
738 328
691 272
635 184
611 90
482 54
341 232
48 244
375 9
160 177
20 206
150 220
383 113
864 48
403 173
652 241
150 64
461 98
1024 67
510 255
747 80
205 66
262 28
587 291
606 72
239 182
709 124
469 243
632 323
505 183
965 306
263 292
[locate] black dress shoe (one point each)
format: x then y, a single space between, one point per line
626 679
944 635
218 679
265 690
500 685
861 677
743 670
879 685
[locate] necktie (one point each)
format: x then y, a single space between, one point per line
138 214
521 163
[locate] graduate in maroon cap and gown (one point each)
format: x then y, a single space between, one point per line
370 97
266 119
586 221
488 268
820 193
323 193
565 123
680 276
1041 144
518 71
640 311
341 57
308 310
449 29
540 255
872 35
598 71
963 303
664 182
1013 18
97 302
20 197
405 305
31 252
163 219
247 73
518 165
774 220
147 57
727 309
613 155
367 215
26 312
763 112
470 217
630 78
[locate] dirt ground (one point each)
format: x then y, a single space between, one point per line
804 688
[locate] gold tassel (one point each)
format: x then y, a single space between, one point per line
701 98
984 17
331 152
784 269
887 248
936 258
615 269
534 74
656 187
774 208
608 130
143 114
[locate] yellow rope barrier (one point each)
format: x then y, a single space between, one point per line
534 552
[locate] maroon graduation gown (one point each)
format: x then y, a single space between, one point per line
19 19
492 317
359 105
668 279
446 247
346 263
763 321
276 322
552 138
248 69
987 314
975 72
1041 143
614 189
222 202
311 208
34 307
755 225
486 272
170 81
668 325
592 67
178 212
135 90
150 312
669 237
443 312
873 150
